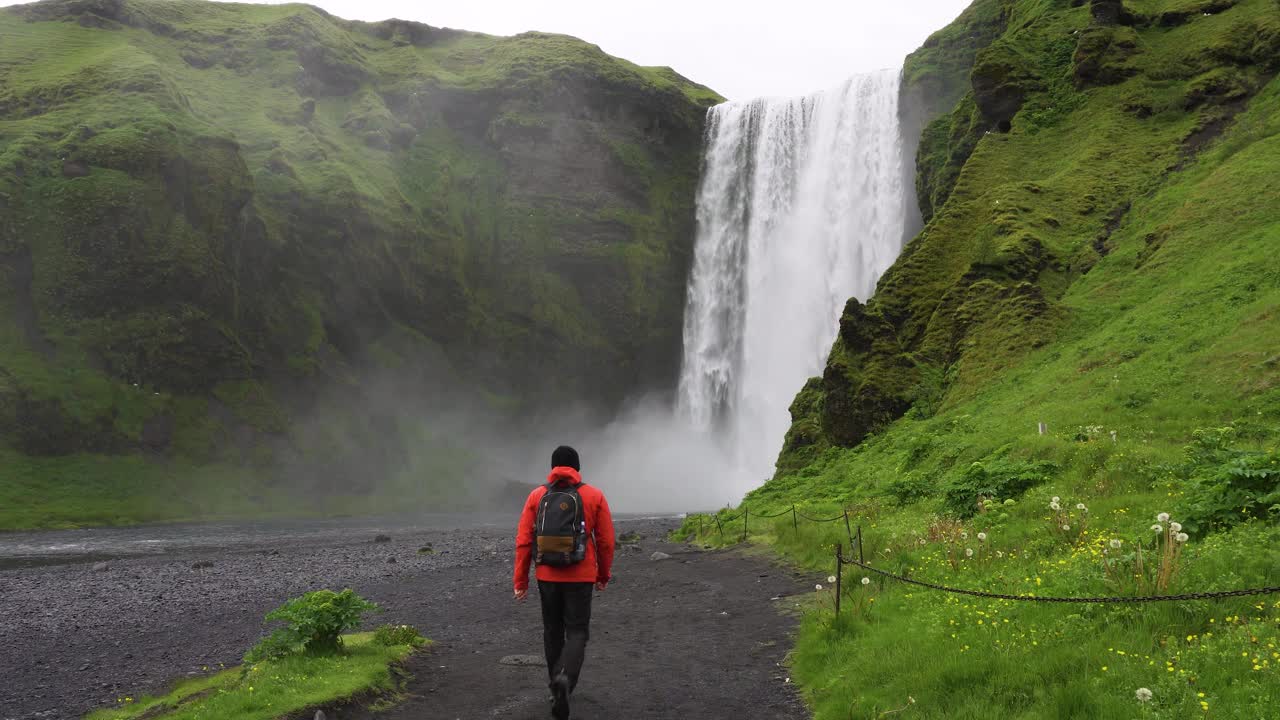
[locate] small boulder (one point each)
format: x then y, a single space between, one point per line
659 556
391 561
320 715
382 538
201 564
101 567
426 550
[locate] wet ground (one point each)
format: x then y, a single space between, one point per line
696 635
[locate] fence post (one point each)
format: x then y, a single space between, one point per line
839 564
719 527
699 526
861 559
847 530
745 512
794 525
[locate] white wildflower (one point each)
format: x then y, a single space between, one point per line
1181 537
1157 528
831 579
1144 695
968 552
1175 527
866 581
1115 544
1163 517
982 537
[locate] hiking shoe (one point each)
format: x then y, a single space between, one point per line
560 697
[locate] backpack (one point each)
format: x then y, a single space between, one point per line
561 529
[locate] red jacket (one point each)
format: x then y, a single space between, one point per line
595 512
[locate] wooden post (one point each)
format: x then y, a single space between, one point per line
719 527
745 512
847 530
699 526
794 525
861 559
839 563
1042 428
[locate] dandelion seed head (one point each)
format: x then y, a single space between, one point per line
968 552
831 579
1115 544
1157 528
866 581
1175 527
1143 694
1163 517
818 586
982 537
1056 499
1066 526
1054 505
1181 537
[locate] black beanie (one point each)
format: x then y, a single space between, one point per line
565 456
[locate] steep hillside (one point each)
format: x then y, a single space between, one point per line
218 220
1103 204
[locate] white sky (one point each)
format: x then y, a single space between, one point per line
741 49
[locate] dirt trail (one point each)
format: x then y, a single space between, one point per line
700 635
697 635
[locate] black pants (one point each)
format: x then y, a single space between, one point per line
566 615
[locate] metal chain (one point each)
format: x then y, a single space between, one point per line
1213 595
820 520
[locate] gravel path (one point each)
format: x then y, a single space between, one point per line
697 635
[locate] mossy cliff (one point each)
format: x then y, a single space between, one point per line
1095 182
212 214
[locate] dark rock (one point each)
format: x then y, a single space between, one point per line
1001 83
391 561
73 169
201 564
382 539
157 432
1102 55
1110 12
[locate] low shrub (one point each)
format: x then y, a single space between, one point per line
392 635
314 624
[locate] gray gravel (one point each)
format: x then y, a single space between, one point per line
78 635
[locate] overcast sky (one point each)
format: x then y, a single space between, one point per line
741 49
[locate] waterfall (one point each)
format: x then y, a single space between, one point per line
802 205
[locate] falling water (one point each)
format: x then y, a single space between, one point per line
802 205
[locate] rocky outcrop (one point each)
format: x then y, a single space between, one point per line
266 213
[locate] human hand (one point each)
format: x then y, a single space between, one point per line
601 584
521 595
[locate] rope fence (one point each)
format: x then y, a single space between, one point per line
855 540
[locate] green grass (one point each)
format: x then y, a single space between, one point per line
271 689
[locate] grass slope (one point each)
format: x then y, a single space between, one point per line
273 688
1104 266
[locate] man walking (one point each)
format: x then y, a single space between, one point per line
567 530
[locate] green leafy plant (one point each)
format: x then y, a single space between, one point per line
314 624
992 480
1228 485
392 635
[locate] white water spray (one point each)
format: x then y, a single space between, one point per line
802 205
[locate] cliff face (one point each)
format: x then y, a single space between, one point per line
1046 127
211 214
